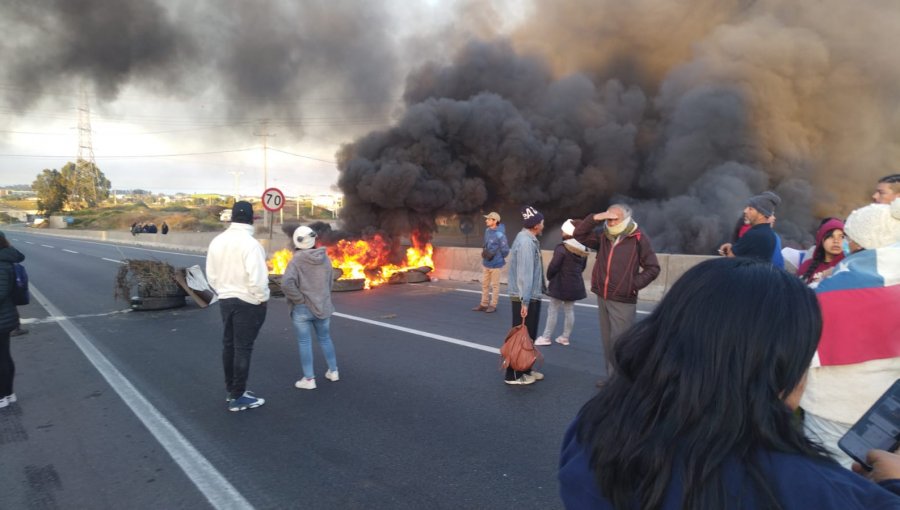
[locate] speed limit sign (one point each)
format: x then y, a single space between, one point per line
273 199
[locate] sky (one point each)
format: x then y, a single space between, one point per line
417 109
180 92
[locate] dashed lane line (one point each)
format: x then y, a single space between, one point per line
112 260
442 338
208 480
69 251
46 246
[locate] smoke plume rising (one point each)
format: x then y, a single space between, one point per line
682 109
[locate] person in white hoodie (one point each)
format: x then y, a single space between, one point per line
307 285
236 270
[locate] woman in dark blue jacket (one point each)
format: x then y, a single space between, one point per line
699 413
566 275
9 318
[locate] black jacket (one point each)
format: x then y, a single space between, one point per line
9 316
565 273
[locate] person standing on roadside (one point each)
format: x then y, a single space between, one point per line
236 269
626 263
760 241
526 284
493 258
9 318
307 285
566 275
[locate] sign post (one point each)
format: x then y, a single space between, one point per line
272 201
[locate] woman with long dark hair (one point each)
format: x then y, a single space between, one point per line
699 411
828 252
9 318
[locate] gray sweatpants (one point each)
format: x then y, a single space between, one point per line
615 318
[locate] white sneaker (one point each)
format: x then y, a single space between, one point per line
11 398
537 375
305 384
332 376
542 340
523 379
3 402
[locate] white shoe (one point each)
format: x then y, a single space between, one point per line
523 379
332 376
11 398
542 340
305 384
3 402
537 375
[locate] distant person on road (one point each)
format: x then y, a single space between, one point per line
887 189
566 275
236 270
700 413
760 241
307 285
626 263
165 228
493 258
526 284
9 318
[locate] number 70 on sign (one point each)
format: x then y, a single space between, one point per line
273 199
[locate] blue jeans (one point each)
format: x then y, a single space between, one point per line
304 322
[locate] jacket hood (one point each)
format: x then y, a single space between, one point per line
11 255
575 247
314 256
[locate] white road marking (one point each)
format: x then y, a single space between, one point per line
28 242
70 251
112 260
209 481
419 332
586 305
46 246
53 318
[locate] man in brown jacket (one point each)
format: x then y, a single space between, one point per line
625 264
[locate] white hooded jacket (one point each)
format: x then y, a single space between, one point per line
236 265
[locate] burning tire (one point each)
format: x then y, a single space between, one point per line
348 285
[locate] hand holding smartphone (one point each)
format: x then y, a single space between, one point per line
878 429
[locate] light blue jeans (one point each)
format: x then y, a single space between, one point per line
304 323
569 314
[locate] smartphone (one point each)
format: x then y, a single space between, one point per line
878 429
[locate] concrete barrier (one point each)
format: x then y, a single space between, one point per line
451 263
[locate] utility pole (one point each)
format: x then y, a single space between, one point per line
264 133
84 160
237 184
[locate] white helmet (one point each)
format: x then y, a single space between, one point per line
304 238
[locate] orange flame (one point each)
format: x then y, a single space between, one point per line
366 259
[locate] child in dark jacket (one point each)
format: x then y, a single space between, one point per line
565 273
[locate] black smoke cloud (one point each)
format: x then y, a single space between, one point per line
682 109
256 59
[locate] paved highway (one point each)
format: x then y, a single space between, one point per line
125 409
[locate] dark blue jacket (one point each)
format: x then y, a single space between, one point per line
800 483
495 242
757 243
566 273
9 316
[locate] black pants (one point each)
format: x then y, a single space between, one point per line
531 324
7 367
242 323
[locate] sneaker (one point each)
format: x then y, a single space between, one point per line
480 308
490 309
245 401
18 331
523 379
306 384
11 398
561 340
3 402
332 376
537 375
542 340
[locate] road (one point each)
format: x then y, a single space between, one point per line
125 409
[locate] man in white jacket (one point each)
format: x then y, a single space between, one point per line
236 269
